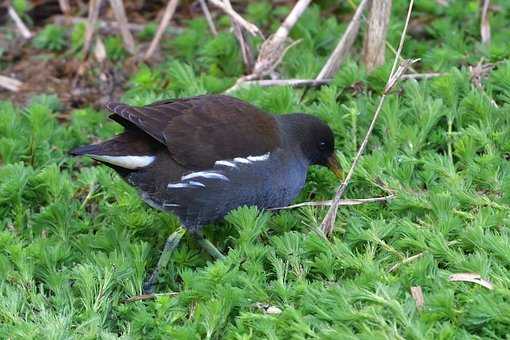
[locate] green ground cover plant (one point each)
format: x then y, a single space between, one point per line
76 241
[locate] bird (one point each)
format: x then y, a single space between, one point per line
201 157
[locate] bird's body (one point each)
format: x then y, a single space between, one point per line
201 189
199 197
202 157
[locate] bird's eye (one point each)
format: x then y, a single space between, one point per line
322 146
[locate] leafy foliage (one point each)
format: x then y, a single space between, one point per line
76 241
52 38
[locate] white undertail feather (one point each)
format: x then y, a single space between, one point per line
127 162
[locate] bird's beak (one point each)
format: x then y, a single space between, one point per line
334 166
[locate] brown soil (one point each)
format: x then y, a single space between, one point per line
43 73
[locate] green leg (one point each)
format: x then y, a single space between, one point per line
170 244
208 246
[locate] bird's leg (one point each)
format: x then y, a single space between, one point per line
170 244
207 246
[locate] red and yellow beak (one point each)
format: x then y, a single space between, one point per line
334 166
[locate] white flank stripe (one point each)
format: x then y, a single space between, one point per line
205 174
241 160
127 162
178 185
259 158
196 183
226 163
171 205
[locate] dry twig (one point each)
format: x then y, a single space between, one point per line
329 221
10 84
485 27
279 82
107 26
355 201
253 29
208 17
94 6
406 260
64 6
344 45
22 28
274 48
167 16
246 50
471 277
421 75
375 37
480 72
417 295
316 83
144 297
120 15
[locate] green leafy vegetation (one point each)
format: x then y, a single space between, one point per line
76 241
52 38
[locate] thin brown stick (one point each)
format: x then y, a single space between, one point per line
349 202
343 47
274 48
144 297
108 26
251 28
422 75
22 28
375 37
167 16
485 27
388 45
412 258
94 6
328 223
406 260
480 72
208 17
283 31
246 51
120 15
64 6
10 84
317 83
471 277
279 82
417 294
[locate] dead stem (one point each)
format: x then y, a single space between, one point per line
349 202
328 223
167 16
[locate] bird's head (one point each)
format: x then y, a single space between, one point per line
316 140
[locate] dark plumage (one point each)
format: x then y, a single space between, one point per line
203 156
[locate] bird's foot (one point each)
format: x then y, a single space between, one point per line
208 246
171 243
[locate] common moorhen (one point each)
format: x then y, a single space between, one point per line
201 157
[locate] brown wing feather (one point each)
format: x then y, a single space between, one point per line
201 130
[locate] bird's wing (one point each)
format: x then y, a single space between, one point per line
199 131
